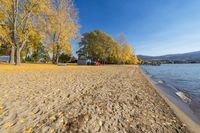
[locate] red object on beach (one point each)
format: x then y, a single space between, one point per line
98 63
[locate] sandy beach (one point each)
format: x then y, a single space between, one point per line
50 99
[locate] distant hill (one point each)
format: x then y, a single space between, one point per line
192 56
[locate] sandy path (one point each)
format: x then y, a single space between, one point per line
82 99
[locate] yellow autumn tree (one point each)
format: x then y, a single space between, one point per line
135 60
62 27
126 53
17 19
5 26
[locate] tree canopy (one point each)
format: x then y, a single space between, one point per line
98 45
51 22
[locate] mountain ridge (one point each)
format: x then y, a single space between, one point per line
190 56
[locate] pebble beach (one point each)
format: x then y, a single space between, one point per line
85 99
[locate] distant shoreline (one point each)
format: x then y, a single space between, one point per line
168 62
192 123
190 57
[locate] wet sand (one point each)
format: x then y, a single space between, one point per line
47 98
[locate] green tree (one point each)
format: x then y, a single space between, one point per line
67 58
39 54
5 49
98 45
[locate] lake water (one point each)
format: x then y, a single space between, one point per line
181 80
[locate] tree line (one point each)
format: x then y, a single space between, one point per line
41 31
34 28
99 46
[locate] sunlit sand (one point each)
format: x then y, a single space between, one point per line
50 98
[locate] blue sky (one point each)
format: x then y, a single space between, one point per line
153 27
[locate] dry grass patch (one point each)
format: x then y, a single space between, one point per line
38 66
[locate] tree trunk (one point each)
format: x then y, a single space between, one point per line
12 55
54 56
57 54
57 59
18 52
15 15
26 54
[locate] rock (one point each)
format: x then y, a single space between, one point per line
36 110
12 116
100 123
45 129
